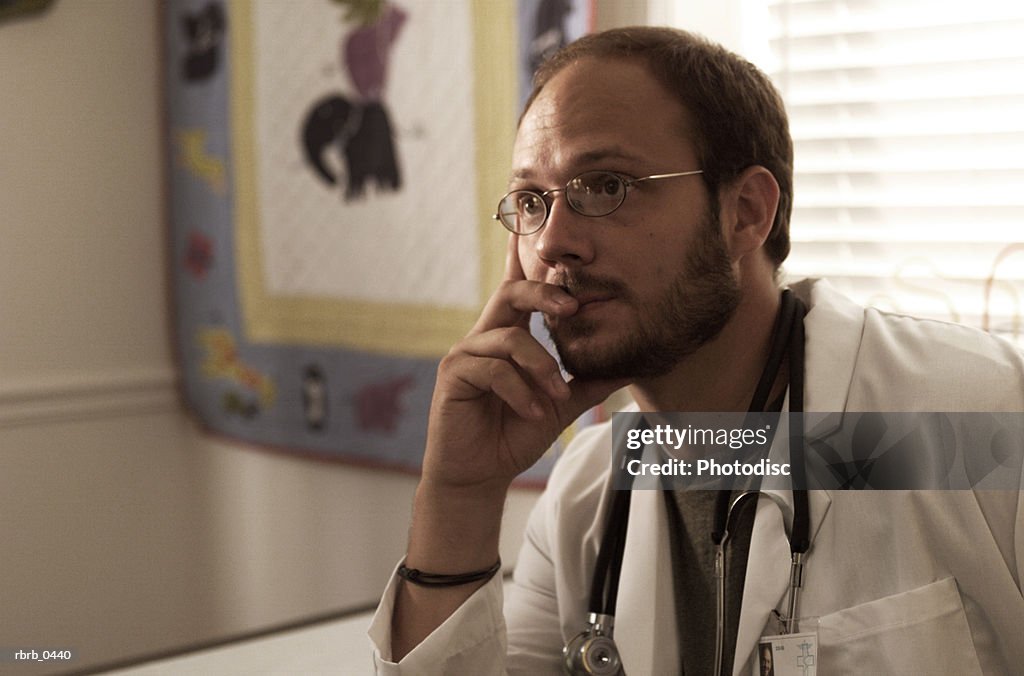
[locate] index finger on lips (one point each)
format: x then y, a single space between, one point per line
513 302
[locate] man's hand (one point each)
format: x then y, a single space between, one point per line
500 401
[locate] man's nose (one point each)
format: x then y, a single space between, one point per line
567 236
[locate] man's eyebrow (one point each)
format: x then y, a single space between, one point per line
590 157
601 154
520 175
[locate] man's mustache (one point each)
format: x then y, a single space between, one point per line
581 284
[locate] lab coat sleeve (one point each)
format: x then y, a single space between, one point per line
531 609
547 601
552 578
471 641
475 640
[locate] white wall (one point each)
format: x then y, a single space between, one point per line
123 532
101 490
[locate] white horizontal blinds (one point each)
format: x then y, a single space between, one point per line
908 123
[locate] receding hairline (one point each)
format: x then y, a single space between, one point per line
686 126
645 61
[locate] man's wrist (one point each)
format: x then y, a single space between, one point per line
454 529
425 578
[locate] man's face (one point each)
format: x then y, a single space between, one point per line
653 279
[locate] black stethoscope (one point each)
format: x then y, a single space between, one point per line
593 651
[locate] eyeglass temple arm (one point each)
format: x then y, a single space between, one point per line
657 176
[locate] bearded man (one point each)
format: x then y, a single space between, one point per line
649 211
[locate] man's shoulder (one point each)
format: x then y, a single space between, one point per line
899 330
937 348
912 362
940 335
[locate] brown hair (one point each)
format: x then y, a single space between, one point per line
736 113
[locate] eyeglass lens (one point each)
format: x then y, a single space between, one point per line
594 193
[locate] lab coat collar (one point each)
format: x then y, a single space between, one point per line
645 619
833 327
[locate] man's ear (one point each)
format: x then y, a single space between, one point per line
748 210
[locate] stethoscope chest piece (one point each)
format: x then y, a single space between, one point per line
593 652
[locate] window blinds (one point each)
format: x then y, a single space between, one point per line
908 123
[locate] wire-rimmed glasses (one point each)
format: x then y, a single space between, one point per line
592 193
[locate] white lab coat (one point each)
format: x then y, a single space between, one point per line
911 582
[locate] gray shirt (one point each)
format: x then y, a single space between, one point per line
691 516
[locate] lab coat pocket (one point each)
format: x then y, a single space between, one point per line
922 631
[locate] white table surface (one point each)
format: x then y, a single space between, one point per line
338 647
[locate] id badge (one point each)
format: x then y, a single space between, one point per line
788 655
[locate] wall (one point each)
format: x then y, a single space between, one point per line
96 462
125 532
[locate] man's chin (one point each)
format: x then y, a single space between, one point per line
590 350
581 356
586 369
608 357
588 360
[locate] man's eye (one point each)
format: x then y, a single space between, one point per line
599 183
612 186
530 205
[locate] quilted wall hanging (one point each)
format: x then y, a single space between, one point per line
333 166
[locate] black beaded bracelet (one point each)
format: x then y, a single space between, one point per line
437 580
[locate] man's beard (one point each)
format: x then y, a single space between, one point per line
693 310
